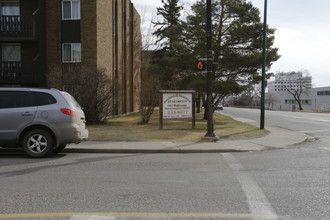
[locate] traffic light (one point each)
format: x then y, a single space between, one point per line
200 65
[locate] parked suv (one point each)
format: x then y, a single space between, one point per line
41 121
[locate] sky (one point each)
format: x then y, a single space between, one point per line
302 33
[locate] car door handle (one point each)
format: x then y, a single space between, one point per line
27 114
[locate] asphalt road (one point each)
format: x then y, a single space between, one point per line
315 124
278 184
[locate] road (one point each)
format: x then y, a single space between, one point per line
288 184
314 124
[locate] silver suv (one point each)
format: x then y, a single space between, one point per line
41 121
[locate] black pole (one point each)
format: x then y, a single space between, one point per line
209 68
263 74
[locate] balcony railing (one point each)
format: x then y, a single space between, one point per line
17 26
18 72
11 69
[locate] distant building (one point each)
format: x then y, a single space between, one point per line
286 80
278 98
38 36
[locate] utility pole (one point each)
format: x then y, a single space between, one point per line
263 74
209 68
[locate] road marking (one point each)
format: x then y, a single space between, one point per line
310 131
148 215
91 217
325 148
313 118
258 203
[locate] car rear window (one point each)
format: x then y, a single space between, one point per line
43 98
70 99
15 99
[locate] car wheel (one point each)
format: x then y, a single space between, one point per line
59 149
38 143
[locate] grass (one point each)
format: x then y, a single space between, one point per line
127 129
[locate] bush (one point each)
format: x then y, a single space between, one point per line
92 89
149 96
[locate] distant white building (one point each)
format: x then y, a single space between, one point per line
278 98
289 80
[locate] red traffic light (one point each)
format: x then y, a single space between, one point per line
200 65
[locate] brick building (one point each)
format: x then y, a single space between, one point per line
38 36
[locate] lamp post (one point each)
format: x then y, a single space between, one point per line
263 74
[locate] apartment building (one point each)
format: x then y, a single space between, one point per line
39 36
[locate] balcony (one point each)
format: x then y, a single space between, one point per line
13 72
13 28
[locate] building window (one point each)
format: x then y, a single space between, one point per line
10 52
327 92
306 102
71 9
290 101
71 52
10 59
9 8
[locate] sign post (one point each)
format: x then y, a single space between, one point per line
177 104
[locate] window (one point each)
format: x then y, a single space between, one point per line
10 59
42 98
306 102
10 52
327 92
9 8
290 101
71 52
71 99
70 9
15 100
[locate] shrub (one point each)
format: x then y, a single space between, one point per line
92 89
149 96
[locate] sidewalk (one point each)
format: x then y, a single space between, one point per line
277 139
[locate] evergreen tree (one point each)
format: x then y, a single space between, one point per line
168 30
237 43
173 58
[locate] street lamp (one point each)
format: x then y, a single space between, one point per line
263 74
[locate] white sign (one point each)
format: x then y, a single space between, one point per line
177 105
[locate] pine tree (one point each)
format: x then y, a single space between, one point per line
168 30
237 43
173 58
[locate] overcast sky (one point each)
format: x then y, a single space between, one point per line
302 36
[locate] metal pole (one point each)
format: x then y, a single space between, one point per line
263 74
210 132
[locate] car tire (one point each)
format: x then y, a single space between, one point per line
38 143
59 149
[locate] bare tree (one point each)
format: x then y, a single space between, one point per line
251 96
270 100
149 96
150 82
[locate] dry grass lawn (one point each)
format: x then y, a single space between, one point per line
127 128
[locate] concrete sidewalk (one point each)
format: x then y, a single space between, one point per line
278 138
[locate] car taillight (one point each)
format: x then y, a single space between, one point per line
68 111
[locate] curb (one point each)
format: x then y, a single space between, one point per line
148 151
